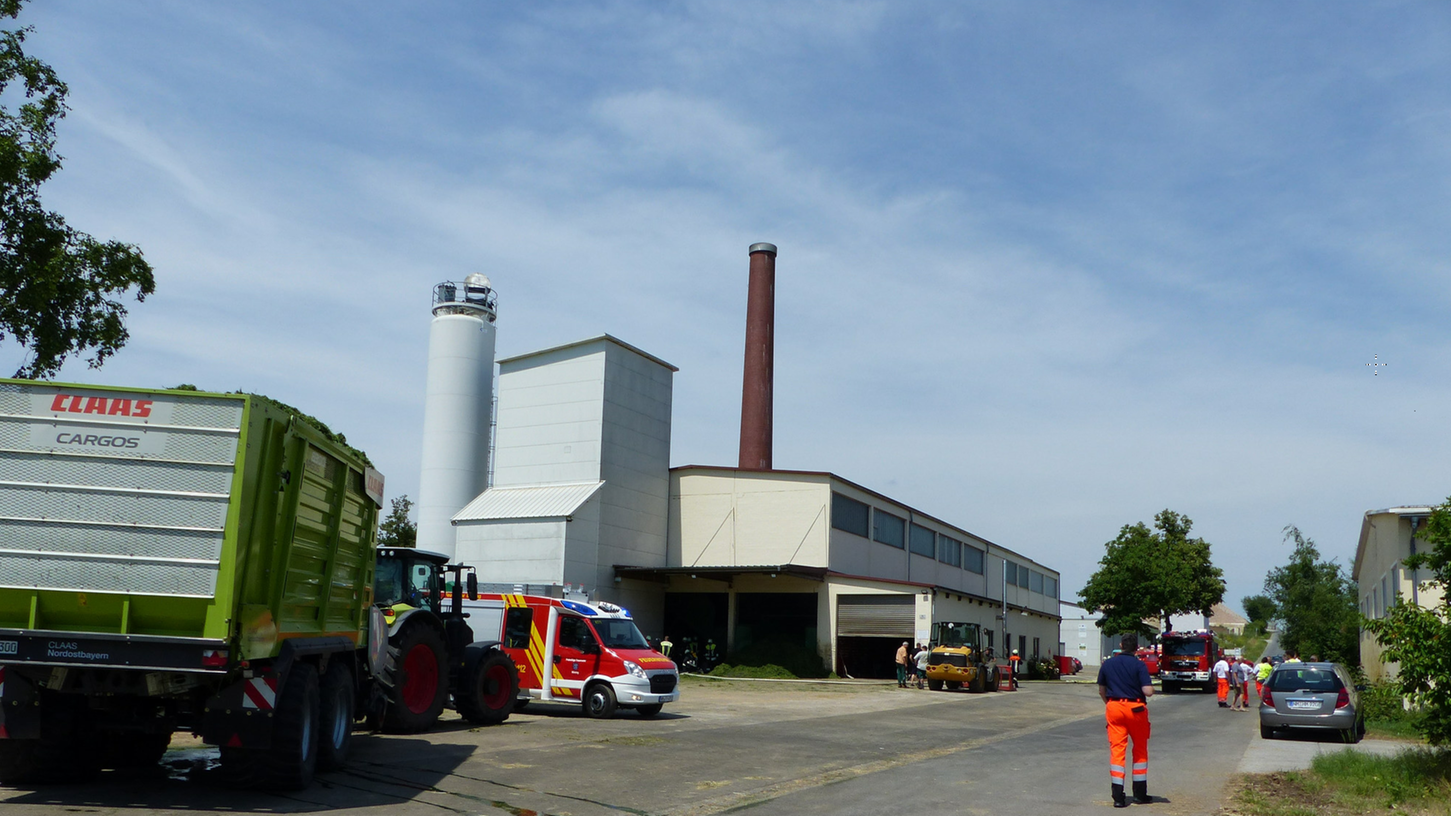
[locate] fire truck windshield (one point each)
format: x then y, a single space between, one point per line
1184 648
619 633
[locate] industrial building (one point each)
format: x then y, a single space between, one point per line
583 500
1082 638
1387 538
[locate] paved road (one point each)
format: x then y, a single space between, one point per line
840 751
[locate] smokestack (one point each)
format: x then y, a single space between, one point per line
756 402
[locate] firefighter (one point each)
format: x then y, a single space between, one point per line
1124 685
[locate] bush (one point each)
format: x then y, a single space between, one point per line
769 671
786 656
1382 701
1042 669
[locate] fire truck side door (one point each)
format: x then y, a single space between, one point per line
576 652
518 632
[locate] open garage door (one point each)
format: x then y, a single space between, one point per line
869 628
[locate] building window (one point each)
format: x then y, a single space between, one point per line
1050 586
1012 573
850 515
1036 647
1375 601
1022 645
1023 577
924 541
972 559
988 638
949 551
1035 582
890 530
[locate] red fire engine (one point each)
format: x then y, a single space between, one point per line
1186 658
566 650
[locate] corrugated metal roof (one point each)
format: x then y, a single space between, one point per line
528 501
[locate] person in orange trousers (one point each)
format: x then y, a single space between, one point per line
1124 685
1221 673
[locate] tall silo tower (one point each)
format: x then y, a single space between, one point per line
457 406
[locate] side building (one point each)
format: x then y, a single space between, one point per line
1387 538
783 560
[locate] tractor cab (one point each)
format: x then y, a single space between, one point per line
955 658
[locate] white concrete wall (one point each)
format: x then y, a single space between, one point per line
634 461
514 552
550 424
1382 577
1081 636
740 518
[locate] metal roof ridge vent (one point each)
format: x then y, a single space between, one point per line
759 371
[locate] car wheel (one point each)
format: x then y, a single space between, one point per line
599 701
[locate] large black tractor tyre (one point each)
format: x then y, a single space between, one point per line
338 698
487 688
65 753
599 701
420 680
978 683
292 760
934 685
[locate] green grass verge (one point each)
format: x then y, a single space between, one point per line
1417 781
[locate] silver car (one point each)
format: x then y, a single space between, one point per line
1319 696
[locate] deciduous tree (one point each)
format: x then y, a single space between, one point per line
397 530
1152 574
1260 609
1315 601
61 290
1419 639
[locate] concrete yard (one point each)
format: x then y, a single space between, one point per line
777 748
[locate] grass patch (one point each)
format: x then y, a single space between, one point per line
770 671
1253 643
1417 781
1403 730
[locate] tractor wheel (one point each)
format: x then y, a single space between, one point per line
290 762
487 689
420 680
992 680
977 685
338 697
934 685
599 701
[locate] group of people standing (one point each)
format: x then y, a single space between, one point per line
1238 678
911 665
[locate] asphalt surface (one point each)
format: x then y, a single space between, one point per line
774 749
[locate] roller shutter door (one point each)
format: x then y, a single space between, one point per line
876 616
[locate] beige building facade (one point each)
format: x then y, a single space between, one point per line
1387 538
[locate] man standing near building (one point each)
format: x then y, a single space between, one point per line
902 665
1124 685
1221 675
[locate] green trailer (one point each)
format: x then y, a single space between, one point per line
180 560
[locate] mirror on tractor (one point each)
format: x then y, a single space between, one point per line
472 583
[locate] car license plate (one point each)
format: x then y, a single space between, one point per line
1304 705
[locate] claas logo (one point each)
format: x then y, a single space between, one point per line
106 406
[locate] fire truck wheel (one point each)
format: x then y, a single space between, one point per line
935 685
420 680
599 701
488 689
290 762
337 696
648 711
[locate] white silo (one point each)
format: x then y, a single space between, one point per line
457 406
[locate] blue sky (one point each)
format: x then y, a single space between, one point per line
1045 270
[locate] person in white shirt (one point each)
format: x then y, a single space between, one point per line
921 658
1221 673
1246 672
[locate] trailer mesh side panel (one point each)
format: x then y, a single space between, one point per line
99 493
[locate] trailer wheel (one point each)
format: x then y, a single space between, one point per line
63 754
338 696
599 701
420 681
290 762
488 689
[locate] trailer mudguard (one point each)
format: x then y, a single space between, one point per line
240 714
19 706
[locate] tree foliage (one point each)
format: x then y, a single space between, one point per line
1152 574
397 530
61 290
1419 638
1315 601
1260 609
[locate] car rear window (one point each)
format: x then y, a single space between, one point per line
1305 679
